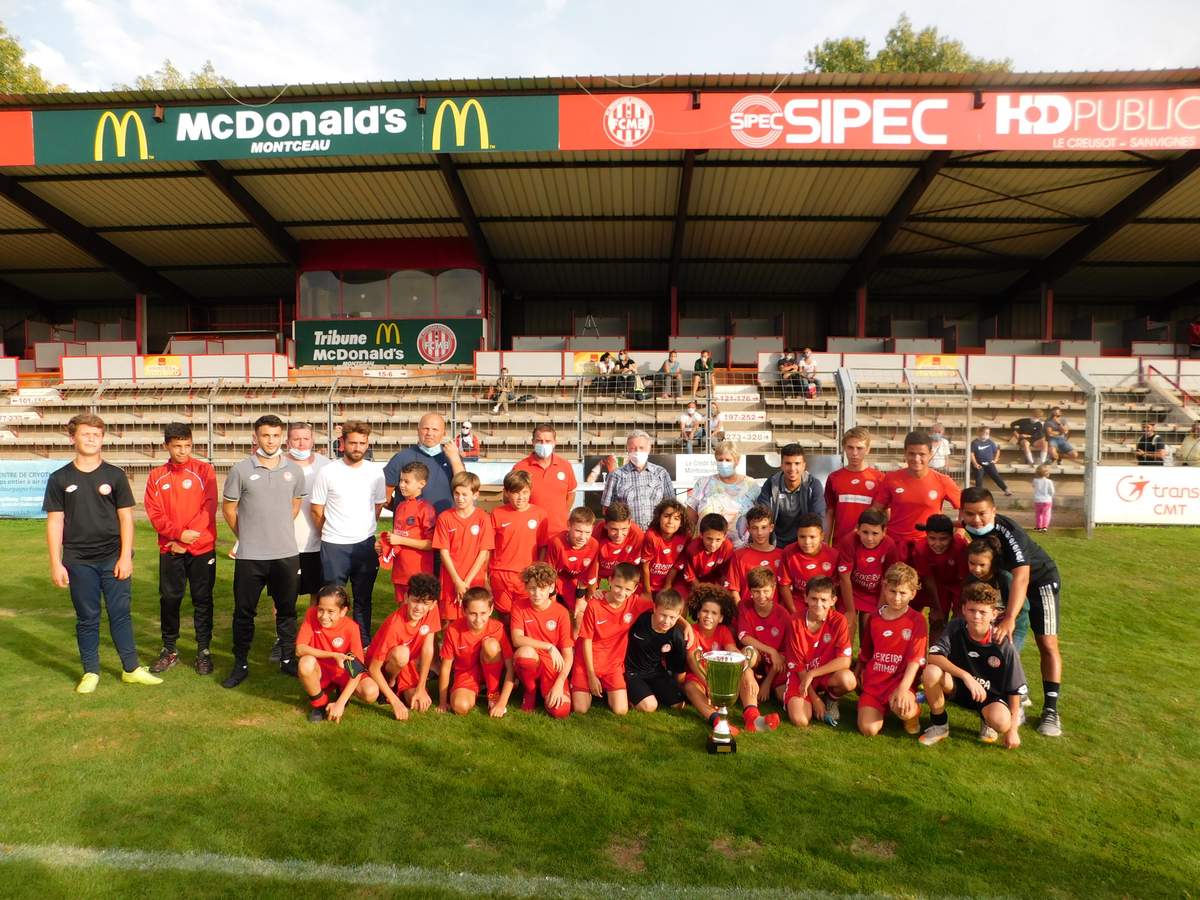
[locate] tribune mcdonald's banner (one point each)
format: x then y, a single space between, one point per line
374 343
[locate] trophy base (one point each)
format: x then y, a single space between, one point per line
721 745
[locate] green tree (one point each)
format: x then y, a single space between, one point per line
904 50
16 75
169 78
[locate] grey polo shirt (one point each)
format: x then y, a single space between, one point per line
264 498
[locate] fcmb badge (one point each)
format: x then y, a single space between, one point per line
436 343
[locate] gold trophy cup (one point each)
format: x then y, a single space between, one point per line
723 671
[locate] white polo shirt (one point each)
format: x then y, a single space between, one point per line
349 495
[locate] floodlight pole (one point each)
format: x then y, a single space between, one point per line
1091 443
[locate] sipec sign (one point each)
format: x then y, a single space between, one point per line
386 342
1148 495
1096 120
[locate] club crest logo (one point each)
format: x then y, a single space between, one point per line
424 629
187 483
906 633
994 662
532 523
338 641
474 529
628 617
551 625
562 476
105 489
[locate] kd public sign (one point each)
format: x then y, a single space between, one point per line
387 342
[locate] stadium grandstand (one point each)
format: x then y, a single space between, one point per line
962 249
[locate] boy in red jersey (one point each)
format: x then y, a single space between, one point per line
181 504
891 654
817 653
477 652
712 606
519 532
762 626
619 538
329 654
401 652
863 556
541 634
941 564
574 557
710 556
913 494
663 546
810 557
463 536
408 546
850 489
600 653
761 551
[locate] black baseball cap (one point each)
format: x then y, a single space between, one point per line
938 523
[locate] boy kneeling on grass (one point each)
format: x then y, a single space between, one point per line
330 654
968 666
402 651
541 634
817 654
712 606
656 657
478 653
894 638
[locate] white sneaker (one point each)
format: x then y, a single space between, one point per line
933 734
1050 726
987 734
832 714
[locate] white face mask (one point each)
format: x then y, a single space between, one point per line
300 454
543 451
981 530
431 451
265 455
639 458
725 468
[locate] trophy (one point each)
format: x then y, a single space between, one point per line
723 673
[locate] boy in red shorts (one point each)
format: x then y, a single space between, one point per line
710 555
574 557
891 654
477 652
850 489
810 557
541 636
818 655
619 538
463 536
330 654
600 652
941 564
863 556
761 551
519 533
402 651
408 546
712 606
762 626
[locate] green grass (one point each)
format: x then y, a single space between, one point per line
1108 810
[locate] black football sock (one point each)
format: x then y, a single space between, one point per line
939 718
1050 690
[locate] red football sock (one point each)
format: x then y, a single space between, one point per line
492 673
749 714
318 701
527 671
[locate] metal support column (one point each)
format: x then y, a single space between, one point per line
846 418
1091 443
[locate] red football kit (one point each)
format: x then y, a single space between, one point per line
413 519
888 646
866 567
607 627
946 571
552 625
806 650
342 636
610 554
770 630
398 631
912 500
465 538
720 639
578 570
714 568
464 646
847 495
550 486
664 556
518 536
748 558
800 568
183 498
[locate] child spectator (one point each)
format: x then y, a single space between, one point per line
1043 498
817 654
401 654
892 652
519 534
541 636
463 536
939 447
408 546
809 382
663 546
330 654
477 652
985 453
656 656
863 556
600 651
691 427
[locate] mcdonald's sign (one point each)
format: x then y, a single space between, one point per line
120 130
387 342
459 114
387 333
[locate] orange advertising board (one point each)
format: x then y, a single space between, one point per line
16 138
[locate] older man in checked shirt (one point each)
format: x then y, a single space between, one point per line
639 484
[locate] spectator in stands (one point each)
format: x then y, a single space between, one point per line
691 427
308 536
470 448
985 453
260 500
789 374
605 366
1056 436
791 493
668 380
1029 434
1188 453
639 484
809 382
727 493
702 372
503 392
716 422
626 372
939 447
443 460
552 479
1151 450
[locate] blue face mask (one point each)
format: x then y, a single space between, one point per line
981 530
725 469
431 451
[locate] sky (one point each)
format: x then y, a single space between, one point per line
96 44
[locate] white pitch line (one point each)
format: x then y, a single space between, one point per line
374 874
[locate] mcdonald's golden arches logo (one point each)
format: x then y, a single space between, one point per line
120 130
459 115
387 333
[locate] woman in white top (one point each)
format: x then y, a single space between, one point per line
728 493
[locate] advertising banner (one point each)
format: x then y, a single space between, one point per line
23 486
1072 121
1147 495
162 366
387 342
16 138
344 128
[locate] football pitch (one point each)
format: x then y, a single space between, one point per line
189 789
